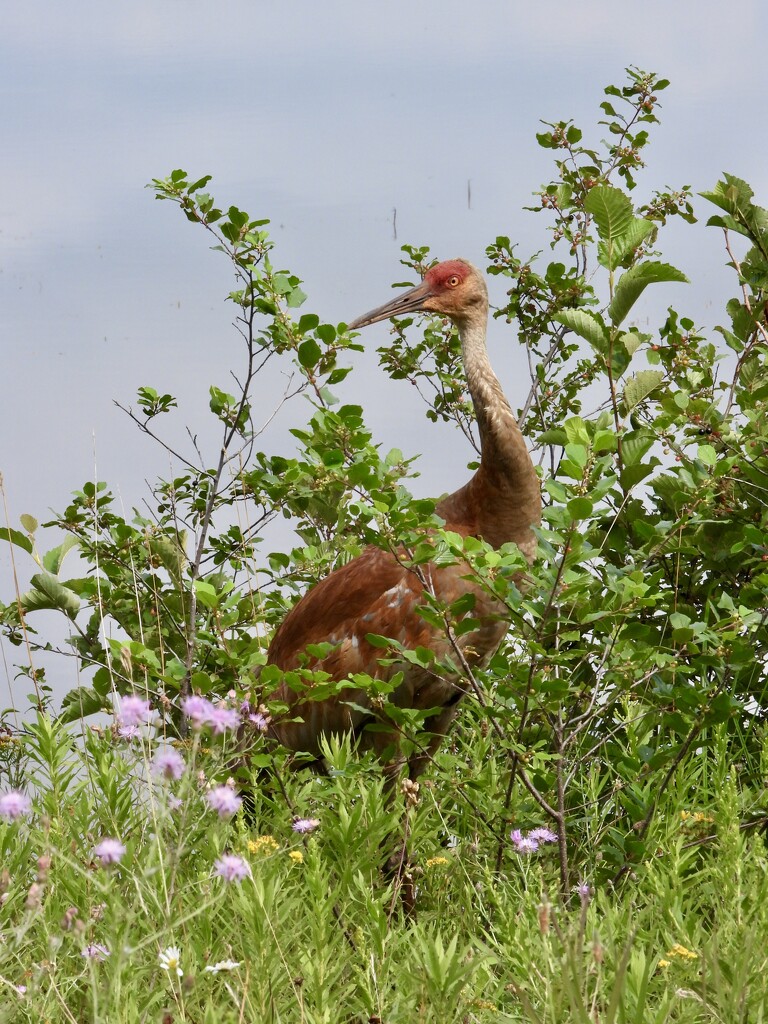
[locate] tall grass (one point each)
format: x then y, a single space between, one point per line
304 927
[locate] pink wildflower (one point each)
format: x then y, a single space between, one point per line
168 763
231 868
523 844
14 805
109 851
132 712
198 709
96 952
542 835
259 717
224 800
584 891
305 825
221 718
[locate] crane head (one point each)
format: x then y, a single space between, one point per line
454 289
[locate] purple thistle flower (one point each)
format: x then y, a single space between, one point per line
224 800
109 851
231 868
584 892
168 763
303 825
221 718
198 709
257 716
96 952
132 712
542 835
523 844
260 720
14 805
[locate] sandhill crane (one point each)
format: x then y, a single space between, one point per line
378 593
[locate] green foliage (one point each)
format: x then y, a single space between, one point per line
632 685
311 932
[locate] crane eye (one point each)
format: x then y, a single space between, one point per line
453 281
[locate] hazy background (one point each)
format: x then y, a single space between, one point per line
324 118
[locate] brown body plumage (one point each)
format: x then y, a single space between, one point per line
377 594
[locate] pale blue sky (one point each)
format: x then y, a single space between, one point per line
322 117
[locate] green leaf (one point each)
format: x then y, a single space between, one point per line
576 431
326 333
16 537
102 681
635 444
611 211
707 454
732 194
29 523
632 475
295 298
375 640
640 386
81 702
170 552
631 342
577 453
605 441
48 592
611 254
579 508
634 281
728 222
309 353
587 325
308 322
200 183
554 436
201 681
206 594
678 620
52 559
221 401
280 283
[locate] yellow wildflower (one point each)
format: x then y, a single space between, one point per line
263 845
434 862
682 952
696 818
664 963
296 856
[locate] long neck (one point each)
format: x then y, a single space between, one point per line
506 483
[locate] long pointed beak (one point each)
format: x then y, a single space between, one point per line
409 302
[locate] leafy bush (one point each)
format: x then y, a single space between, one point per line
630 690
